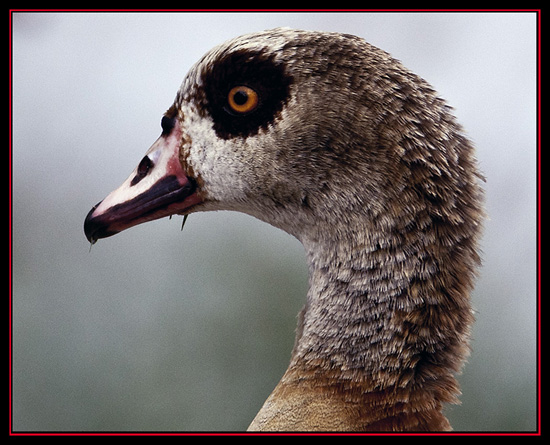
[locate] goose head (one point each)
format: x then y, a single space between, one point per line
335 142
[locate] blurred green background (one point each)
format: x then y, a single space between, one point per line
159 330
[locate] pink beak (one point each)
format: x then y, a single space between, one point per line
158 187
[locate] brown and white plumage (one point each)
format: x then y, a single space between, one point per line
335 142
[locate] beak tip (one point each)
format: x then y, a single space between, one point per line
94 227
89 225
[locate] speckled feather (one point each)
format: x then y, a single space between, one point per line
367 167
360 160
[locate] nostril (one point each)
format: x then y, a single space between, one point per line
143 169
144 166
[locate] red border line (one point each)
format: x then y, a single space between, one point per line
539 230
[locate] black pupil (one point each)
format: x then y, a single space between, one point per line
240 97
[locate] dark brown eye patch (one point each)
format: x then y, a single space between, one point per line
263 87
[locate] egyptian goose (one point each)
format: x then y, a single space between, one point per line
332 140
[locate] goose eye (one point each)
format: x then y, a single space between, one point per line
242 99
